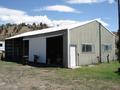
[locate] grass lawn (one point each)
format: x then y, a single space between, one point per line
18 77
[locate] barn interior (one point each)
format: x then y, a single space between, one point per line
54 50
14 49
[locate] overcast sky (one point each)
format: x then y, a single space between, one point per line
55 12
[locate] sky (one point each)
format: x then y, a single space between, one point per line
59 12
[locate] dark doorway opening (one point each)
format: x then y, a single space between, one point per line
25 51
54 49
25 47
14 50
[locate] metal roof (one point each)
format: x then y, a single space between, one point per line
48 30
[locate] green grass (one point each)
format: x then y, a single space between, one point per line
99 77
103 71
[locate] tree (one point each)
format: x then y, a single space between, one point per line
45 26
1 31
34 26
2 27
42 26
8 24
23 24
6 31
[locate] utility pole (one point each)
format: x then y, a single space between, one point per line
118 43
118 15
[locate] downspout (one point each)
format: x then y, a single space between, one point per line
100 43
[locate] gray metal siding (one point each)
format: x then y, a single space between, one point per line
107 38
89 34
86 34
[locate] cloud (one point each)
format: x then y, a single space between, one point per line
81 1
88 1
111 1
58 8
64 22
102 22
7 11
17 16
72 22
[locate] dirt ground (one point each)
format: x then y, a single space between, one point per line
18 77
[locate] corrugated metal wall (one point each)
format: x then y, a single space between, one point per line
89 34
107 38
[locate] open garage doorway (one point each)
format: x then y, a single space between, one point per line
54 50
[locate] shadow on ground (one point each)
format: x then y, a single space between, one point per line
42 65
118 71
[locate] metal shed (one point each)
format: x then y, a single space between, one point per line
68 46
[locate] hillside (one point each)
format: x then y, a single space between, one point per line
9 30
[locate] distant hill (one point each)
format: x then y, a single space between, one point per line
9 30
